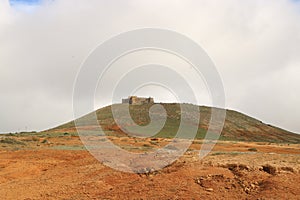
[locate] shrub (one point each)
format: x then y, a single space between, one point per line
30 139
45 141
252 149
10 141
146 145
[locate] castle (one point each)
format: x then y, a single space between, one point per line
134 100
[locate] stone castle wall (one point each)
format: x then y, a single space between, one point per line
134 100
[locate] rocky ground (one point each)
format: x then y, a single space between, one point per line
44 167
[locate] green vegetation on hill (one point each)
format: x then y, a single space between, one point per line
238 127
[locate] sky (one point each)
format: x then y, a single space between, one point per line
254 44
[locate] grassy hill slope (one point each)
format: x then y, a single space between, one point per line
238 126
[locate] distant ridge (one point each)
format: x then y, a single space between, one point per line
237 127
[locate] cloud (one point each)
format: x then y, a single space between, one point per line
255 45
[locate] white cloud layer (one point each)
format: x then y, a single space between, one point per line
255 45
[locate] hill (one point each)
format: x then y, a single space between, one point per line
237 127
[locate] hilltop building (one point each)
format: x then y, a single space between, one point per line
134 100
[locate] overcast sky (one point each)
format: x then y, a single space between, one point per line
255 45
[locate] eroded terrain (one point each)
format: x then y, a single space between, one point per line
59 167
